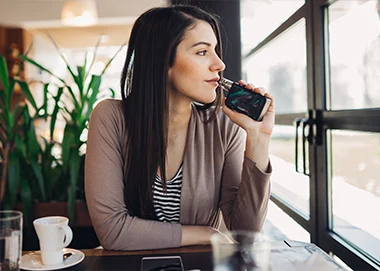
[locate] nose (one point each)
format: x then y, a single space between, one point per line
218 64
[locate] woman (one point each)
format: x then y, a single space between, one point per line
211 160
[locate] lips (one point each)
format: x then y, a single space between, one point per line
213 80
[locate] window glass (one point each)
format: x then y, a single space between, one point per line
291 186
355 167
261 17
354 47
280 67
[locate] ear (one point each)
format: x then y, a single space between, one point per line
169 74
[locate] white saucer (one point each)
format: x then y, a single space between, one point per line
32 261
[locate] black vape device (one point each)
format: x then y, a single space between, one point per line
245 101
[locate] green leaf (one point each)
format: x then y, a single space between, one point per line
74 171
81 76
75 101
46 167
11 89
17 112
55 112
45 104
67 142
26 198
38 173
33 151
73 75
14 170
31 140
3 100
76 78
71 193
34 63
28 95
96 80
10 124
20 146
4 76
94 86
112 92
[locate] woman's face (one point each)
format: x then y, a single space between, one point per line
194 73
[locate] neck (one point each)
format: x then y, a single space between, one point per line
179 117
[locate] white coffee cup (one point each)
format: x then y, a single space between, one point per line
54 234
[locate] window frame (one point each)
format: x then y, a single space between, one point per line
321 120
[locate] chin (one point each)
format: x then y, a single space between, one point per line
205 102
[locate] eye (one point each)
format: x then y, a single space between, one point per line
202 53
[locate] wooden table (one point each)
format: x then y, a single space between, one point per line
283 254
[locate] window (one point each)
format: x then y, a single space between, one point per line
281 67
354 46
355 167
321 61
260 17
286 183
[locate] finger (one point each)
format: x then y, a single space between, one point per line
268 95
250 86
242 82
259 90
225 107
271 100
247 86
262 90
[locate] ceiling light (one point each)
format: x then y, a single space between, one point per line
79 13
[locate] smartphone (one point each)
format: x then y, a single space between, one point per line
245 101
161 263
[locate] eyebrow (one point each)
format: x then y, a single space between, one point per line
201 43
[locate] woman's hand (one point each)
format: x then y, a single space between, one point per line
197 235
258 132
252 127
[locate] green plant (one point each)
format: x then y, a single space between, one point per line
19 148
83 95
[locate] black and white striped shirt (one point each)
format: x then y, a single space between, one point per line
167 205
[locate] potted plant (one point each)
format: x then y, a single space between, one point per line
83 94
32 177
19 148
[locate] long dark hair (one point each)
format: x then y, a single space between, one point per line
151 52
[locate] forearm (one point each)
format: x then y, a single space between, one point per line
244 206
196 235
257 149
120 231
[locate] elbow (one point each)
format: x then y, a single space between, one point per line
249 219
261 214
110 234
115 238
110 243
107 241
107 245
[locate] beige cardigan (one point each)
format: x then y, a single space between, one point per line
216 176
